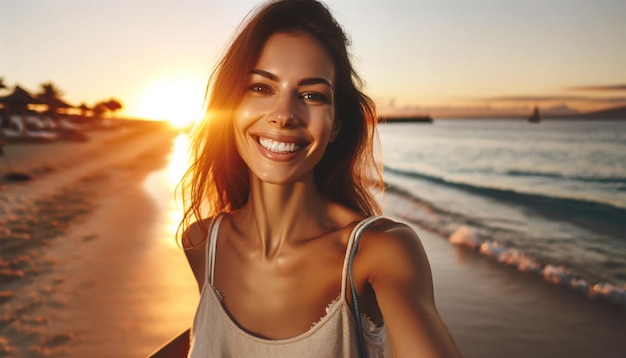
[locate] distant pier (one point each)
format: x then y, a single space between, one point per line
405 119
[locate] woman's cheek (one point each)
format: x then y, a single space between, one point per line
255 106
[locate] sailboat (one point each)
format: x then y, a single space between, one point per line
535 117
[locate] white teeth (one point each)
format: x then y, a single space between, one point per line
278 147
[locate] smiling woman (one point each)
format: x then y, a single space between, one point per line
280 227
176 99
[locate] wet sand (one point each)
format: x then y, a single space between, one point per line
495 311
89 267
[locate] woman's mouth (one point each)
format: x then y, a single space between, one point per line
279 147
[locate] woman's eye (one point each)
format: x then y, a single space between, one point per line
260 89
315 98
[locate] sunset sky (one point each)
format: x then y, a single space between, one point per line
441 57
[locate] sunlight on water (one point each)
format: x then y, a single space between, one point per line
178 163
179 159
173 294
161 186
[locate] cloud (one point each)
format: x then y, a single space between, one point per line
605 88
551 98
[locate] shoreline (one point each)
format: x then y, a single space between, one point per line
493 310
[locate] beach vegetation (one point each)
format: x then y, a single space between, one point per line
46 116
50 95
113 105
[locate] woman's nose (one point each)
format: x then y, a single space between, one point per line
284 113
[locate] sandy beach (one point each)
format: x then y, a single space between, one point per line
81 270
89 267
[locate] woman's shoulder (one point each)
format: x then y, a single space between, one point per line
386 231
194 242
196 234
391 244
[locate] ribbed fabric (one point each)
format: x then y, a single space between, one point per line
214 334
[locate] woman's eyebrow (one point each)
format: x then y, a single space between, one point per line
302 82
265 74
314 81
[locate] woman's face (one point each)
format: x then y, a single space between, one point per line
286 118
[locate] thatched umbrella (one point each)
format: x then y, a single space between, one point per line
83 111
19 97
18 102
54 104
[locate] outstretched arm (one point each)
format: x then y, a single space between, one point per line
401 278
176 348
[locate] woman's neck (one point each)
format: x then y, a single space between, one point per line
277 214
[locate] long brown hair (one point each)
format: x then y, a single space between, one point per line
217 180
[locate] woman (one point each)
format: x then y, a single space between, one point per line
289 246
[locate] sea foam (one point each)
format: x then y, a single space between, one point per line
465 236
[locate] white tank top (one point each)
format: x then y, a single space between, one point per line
214 334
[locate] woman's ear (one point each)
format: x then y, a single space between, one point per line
336 129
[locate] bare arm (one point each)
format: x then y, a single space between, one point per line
195 251
401 278
176 348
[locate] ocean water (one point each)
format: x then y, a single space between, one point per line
547 199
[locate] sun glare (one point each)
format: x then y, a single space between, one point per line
176 99
161 186
179 161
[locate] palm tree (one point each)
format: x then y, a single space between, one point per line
113 105
51 95
83 110
2 110
98 110
49 92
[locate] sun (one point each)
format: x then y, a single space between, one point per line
176 99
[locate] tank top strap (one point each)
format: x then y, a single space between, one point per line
351 249
212 247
